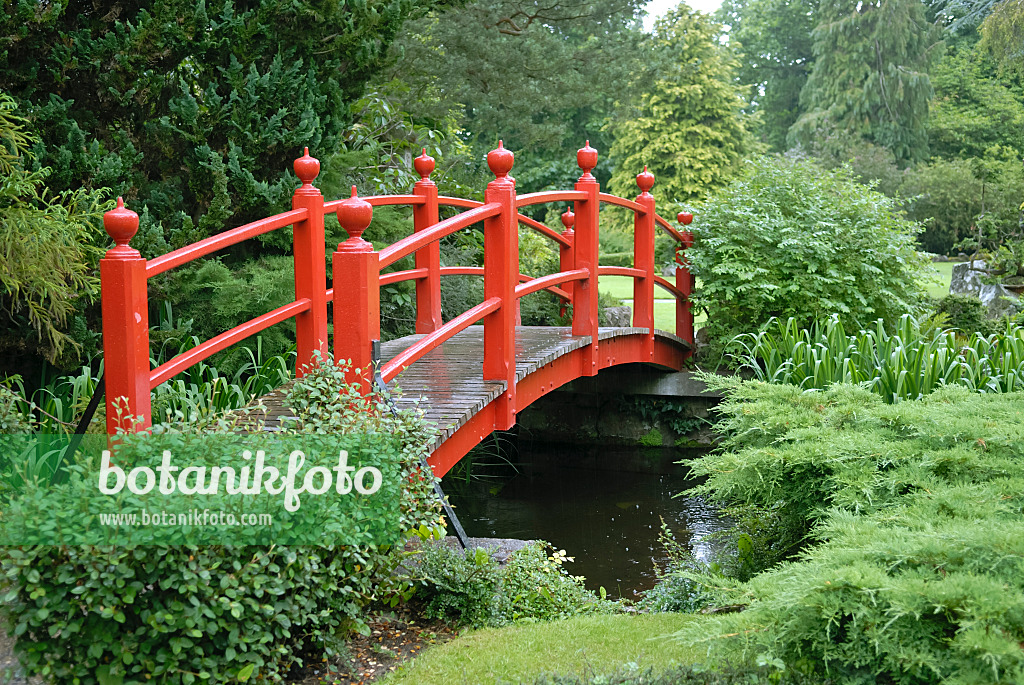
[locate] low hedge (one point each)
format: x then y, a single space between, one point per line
914 516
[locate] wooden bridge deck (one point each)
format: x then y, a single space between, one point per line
447 383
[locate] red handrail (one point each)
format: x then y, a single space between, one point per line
622 202
184 255
667 285
378 201
620 271
226 339
550 196
406 246
546 282
461 322
358 277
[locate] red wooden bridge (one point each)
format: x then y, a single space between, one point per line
469 379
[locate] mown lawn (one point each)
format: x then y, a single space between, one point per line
521 652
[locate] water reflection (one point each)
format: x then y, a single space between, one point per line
608 520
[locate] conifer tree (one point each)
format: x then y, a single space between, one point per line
870 74
687 126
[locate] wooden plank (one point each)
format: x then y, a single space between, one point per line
447 384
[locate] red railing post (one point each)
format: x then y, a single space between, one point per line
501 275
566 256
310 265
584 310
356 275
125 310
684 281
428 290
643 259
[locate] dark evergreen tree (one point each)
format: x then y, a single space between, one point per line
774 41
870 74
193 111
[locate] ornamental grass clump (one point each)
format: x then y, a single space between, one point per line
912 570
906 364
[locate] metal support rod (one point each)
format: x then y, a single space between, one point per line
378 380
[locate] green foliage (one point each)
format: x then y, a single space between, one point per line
915 509
470 588
198 109
682 585
543 79
905 365
965 313
973 109
774 39
870 74
675 414
48 248
789 239
210 613
686 127
458 586
946 197
631 673
1002 33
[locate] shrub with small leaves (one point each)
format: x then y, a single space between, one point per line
215 613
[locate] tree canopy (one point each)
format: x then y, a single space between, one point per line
686 126
870 74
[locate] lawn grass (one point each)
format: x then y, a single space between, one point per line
944 271
521 652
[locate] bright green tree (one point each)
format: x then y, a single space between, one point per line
687 126
973 108
1003 33
870 74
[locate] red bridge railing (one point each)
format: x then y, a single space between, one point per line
357 274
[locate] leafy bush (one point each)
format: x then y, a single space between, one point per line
965 313
906 364
682 586
789 239
469 587
180 614
945 196
916 574
458 586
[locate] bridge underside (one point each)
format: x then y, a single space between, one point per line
447 384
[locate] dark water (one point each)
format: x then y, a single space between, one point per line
608 520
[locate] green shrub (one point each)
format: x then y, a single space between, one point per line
719 674
470 588
945 196
965 313
458 585
789 239
187 613
904 365
917 571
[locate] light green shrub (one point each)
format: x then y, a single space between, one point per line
789 239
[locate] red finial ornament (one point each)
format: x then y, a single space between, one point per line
586 158
354 215
424 165
500 161
685 218
645 180
568 219
306 168
121 224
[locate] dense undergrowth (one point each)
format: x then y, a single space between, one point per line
909 518
210 613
